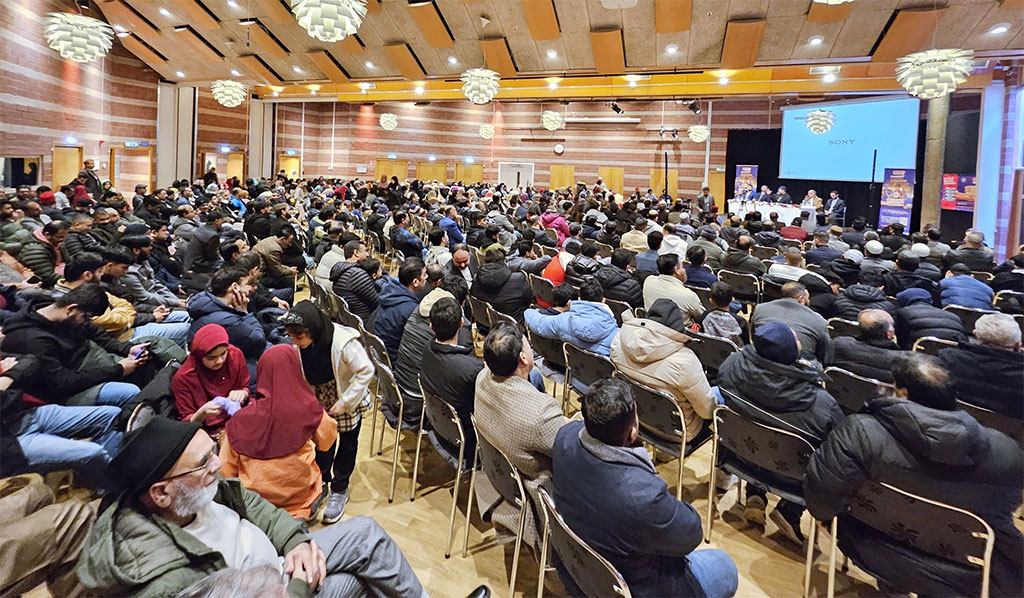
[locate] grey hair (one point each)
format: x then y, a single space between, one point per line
997 330
976 237
262 581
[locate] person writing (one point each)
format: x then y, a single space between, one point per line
214 368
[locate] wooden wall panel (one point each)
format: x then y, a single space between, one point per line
742 43
609 54
541 19
907 33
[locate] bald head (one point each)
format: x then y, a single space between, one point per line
876 324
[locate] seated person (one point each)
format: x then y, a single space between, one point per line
738 258
583 266
74 368
397 302
80 238
507 291
917 318
271 443
610 494
721 321
670 283
794 309
791 271
214 368
920 442
41 253
589 324
960 288
277 274
262 297
525 260
44 438
696 274
227 303
871 352
169 504
989 374
618 281
647 261
906 277
855 298
139 282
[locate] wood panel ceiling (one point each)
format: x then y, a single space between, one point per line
543 38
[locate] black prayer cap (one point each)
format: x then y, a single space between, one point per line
147 454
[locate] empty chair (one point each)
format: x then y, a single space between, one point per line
591 572
379 355
985 277
446 427
1006 299
388 388
542 288
746 287
618 308
481 321
507 482
770 290
495 317
662 425
552 362
968 315
583 368
932 345
840 327
851 391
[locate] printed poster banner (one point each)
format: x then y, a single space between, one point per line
897 196
959 191
746 179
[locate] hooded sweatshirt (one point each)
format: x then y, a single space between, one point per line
397 303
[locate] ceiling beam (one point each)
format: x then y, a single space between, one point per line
141 49
431 23
328 66
372 6
278 12
200 16
541 19
259 70
742 43
672 16
189 36
907 33
403 58
351 45
497 56
259 36
825 13
119 13
609 54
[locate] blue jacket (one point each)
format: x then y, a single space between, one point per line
699 276
244 330
613 499
647 261
396 304
587 325
452 228
821 255
965 290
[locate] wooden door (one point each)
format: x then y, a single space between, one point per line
612 177
130 166
561 176
716 182
292 165
431 171
67 163
236 165
469 173
658 181
390 168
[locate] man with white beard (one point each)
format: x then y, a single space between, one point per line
172 521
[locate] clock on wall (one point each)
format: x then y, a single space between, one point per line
559 148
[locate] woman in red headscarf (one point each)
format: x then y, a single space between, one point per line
214 368
271 443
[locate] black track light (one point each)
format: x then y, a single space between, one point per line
695 107
615 108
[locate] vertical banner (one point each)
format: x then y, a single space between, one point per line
897 196
746 179
959 191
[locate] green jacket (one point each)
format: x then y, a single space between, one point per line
134 555
13 236
41 259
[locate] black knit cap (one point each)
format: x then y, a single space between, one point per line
148 454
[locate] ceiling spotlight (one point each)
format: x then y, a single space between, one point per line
275 93
999 29
83 4
616 109
232 4
671 49
297 68
119 29
723 80
313 92
235 73
165 12
368 64
816 40
453 60
418 89
552 85
179 74
123 34
829 78
675 133
694 107
632 83
661 132
552 54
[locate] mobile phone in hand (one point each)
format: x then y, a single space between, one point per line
34 280
136 353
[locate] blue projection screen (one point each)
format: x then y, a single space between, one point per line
836 141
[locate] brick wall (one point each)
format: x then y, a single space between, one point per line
218 127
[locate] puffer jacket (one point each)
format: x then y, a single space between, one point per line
965 290
897 282
977 259
507 291
581 268
741 261
856 298
42 258
13 237
847 270
620 285
134 555
397 303
355 285
791 393
244 330
917 318
330 258
944 455
518 263
871 358
656 355
78 242
587 325
987 377
556 221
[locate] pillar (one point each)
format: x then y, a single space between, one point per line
934 158
990 141
175 133
261 138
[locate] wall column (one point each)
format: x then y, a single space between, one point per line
261 138
990 140
175 134
934 157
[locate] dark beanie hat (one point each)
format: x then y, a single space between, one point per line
708 232
666 312
136 229
776 342
148 453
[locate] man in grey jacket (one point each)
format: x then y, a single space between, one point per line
793 309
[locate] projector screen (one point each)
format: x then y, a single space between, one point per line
836 141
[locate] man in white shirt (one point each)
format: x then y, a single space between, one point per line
792 270
670 283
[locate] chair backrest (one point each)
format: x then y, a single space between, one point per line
376 349
851 391
587 367
784 453
479 309
762 252
926 525
985 277
347 318
604 250
549 251
549 348
551 233
932 345
742 283
640 312
770 290
496 316
618 308
1004 296
1011 426
499 470
704 295
332 304
968 315
386 385
443 419
839 327
656 409
711 351
542 288
593 574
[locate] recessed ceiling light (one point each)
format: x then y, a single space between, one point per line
179 74
453 60
552 54
552 85
671 49
165 12
816 40
632 82
275 94
829 78
723 80
313 92
123 34
297 68
368 64
235 73
232 4
999 29
418 89
119 28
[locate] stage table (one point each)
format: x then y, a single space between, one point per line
786 212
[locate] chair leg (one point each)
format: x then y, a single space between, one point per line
832 561
375 406
809 562
394 459
469 502
518 547
451 517
565 388
416 461
711 490
543 558
679 478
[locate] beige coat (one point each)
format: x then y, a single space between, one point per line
657 356
664 286
521 422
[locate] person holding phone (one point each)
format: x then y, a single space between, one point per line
214 368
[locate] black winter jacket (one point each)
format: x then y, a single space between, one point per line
355 285
871 358
987 377
858 297
78 242
920 319
581 268
620 285
507 291
943 455
845 269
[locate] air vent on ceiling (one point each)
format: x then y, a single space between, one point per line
617 4
824 70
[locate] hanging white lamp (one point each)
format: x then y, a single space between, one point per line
78 37
388 121
329 20
551 120
487 131
480 85
933 73
698 133
228 93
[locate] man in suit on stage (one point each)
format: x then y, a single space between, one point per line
783 196
834 205
765 194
